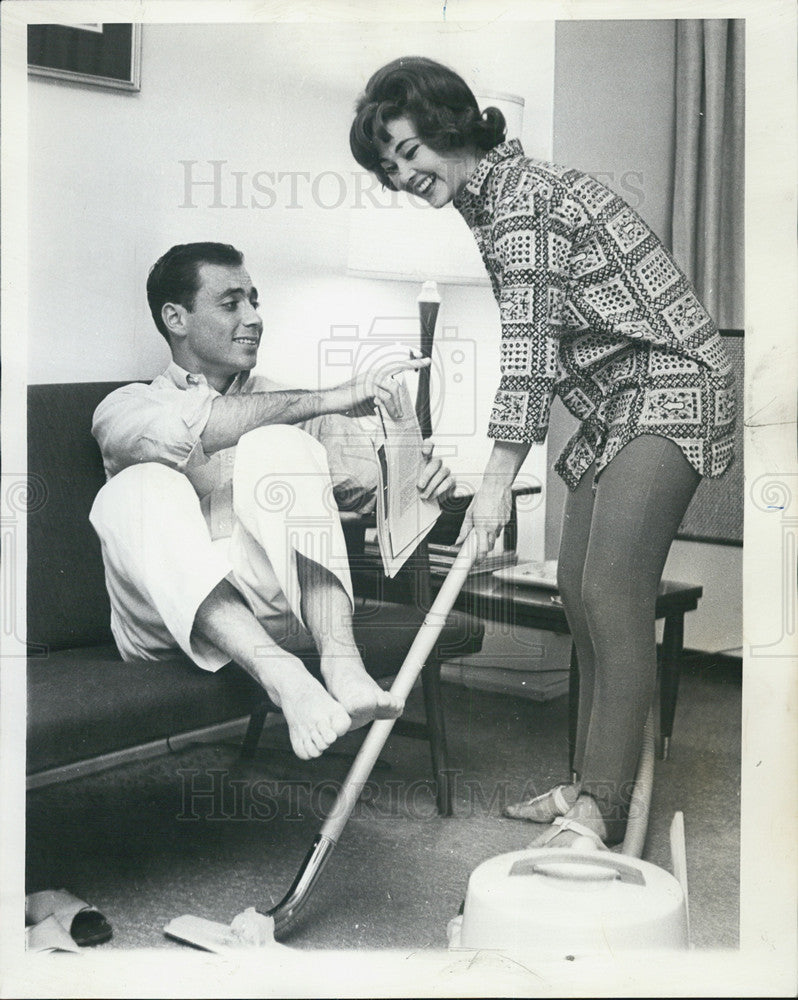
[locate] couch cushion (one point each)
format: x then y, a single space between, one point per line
67 601
86 702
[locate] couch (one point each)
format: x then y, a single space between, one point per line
83 701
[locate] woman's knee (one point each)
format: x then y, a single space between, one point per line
613 596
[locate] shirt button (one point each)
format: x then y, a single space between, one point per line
193 379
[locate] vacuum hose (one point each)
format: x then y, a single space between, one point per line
637 824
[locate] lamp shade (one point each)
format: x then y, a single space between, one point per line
393 236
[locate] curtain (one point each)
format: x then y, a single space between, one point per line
708 205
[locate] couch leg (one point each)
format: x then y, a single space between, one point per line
257 721
433 704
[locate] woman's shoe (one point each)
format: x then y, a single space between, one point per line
559 826
546 807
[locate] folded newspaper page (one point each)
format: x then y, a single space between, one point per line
403 518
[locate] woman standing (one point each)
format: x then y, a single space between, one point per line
594 309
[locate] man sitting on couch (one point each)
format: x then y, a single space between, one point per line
219 526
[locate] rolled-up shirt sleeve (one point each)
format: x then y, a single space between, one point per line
532 259
137 423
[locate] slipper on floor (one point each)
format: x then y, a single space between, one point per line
542 808
84 923
560 824
48 935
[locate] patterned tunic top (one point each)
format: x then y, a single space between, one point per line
594 309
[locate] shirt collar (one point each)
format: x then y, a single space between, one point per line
475 183
184 379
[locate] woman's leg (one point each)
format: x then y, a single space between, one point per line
576 526
640 500
577 519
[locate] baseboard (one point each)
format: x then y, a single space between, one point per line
726 664
234 728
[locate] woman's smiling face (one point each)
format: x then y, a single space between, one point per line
414 167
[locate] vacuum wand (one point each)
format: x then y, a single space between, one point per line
286 911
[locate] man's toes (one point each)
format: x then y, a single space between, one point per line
340 723
324 735
387 706
299 747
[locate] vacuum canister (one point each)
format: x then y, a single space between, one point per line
561 900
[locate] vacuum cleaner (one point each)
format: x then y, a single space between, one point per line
562 899
581 900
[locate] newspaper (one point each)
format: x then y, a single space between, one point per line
403 517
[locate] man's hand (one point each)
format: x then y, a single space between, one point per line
377 385
436 479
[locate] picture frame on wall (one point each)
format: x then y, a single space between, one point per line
98 55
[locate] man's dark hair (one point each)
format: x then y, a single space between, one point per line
174 277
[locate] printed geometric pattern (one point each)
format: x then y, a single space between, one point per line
685 316
627 229
545 361
594 196
725 406
616 372
515 240
509 408
579 403
661 362
569 213
588 258
693 449
559 250
671 406
610 298
721 456
713 354
617 409
591 348
573 318
636 329
556 306
515 356
516 305
578 456
656 273
594 309
553 168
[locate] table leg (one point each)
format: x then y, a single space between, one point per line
672 647
433 703
573 706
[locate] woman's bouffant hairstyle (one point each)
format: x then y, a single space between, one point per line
438 102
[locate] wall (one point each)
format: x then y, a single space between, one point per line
614 117
240 134
115 179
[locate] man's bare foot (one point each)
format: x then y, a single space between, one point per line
315 719
358 693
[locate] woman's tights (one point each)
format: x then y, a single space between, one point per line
615 541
